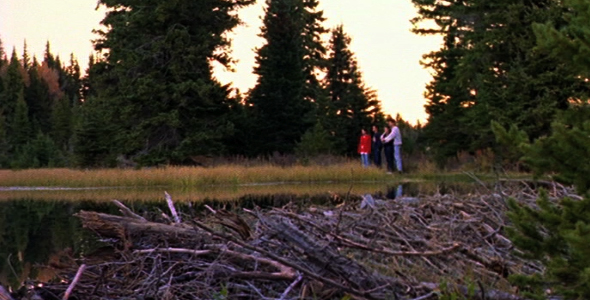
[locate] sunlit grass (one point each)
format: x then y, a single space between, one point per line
219 193
191 176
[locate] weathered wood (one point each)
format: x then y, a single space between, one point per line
388 252
323 255
120 227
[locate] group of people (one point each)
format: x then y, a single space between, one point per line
390 141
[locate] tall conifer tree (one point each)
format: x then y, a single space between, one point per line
26 58
286 65
38 100
351 104
156 71
20 127
557 232
13 89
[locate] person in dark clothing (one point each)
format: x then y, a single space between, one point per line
388 149
376 147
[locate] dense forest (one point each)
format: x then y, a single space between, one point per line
149 95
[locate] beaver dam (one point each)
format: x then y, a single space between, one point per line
356 247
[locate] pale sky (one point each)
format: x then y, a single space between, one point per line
387 52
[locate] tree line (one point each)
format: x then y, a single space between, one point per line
149 94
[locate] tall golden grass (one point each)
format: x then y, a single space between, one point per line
191 176
218 193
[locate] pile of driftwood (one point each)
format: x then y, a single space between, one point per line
408 248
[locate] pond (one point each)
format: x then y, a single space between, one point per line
38 232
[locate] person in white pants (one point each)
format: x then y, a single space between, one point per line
395 136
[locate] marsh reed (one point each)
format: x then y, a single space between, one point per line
191 176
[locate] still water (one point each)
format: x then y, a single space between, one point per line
38 230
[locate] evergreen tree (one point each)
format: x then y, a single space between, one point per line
48 57
283 95
569 43
2 53
444 134
13 89
20 130
488 69
71 84
26 59
4 143
93 134
61 120
351 105
315 51
314 142
38 100
557 233
2 64
156 74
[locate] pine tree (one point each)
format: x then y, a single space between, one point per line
4 143
489 69
48 57
93 134
286 85
20 128
2 64
38 100
569 42
557 234
13 89
315 62
2 53
316 141
72 81
156 72
351 104
26 60
61 120
444 133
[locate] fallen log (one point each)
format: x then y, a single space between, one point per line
113 226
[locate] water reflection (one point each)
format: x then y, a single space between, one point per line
38 227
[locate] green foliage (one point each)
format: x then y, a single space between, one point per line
566 150
350 105
20 127
315 141
4 143
94 134
156 75
223 294
286 66
411 136
38 100
39 152
570 41
61 120
510 142
490 69
556 235
13 89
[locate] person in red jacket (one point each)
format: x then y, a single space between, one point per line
364 147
